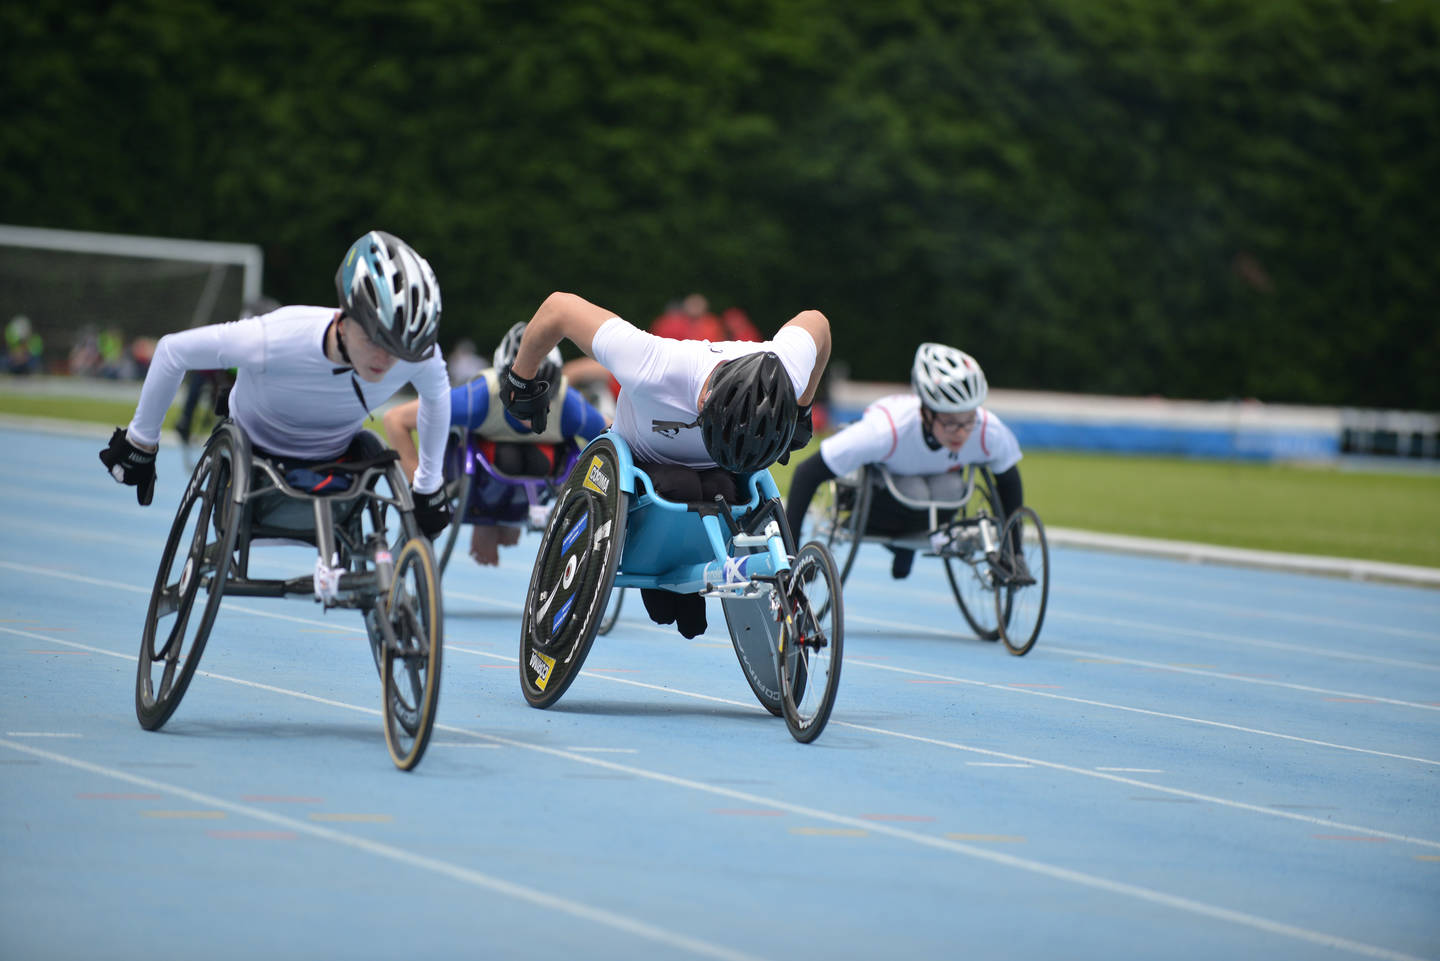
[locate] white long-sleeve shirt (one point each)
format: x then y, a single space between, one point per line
288 397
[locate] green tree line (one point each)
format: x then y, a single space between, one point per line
1194 198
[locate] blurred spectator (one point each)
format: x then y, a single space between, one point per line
85 355
737 325
114 362
464 362
690 319
24 347
596 384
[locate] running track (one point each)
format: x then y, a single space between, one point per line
1194 762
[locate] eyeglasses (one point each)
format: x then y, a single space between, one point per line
941 422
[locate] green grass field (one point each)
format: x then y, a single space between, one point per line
1377 516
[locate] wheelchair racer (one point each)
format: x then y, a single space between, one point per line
507 444
694 413
308 377
925 439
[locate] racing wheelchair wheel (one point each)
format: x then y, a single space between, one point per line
971 581
841 512
1022 580
411 653
573 576
612 610
459 492
811 641
197 560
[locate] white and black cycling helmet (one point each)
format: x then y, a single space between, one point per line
749 414
510 346
392 292
947 380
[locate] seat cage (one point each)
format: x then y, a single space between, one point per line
538 490
714 547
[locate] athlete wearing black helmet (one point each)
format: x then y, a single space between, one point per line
694 413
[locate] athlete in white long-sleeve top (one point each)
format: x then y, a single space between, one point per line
307 377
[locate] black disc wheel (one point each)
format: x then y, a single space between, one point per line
970 579
188 586
811 642
573 576
1022 580
410 657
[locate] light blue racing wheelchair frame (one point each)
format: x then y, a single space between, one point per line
610 529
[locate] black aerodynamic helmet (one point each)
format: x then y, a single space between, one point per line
749 415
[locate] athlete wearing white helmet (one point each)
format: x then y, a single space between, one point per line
938 429
308 377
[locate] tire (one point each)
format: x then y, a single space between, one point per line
459 502
573 576
1020 605
411 656
612 610
197 558
970 582
840 517
812 642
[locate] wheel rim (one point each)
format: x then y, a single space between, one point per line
1022 607
812 643
411 662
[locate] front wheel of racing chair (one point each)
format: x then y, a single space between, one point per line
573 576
972 583
1022 580
840 514
196 561
812 641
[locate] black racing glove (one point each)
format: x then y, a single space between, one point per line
804 430
525 398
130 465
432 512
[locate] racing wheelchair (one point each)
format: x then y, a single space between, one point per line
610 528
998 566
483 491
372 556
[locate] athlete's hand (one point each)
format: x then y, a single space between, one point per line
525 398
432 512
804 430
130 465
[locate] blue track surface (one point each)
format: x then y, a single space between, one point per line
1194 762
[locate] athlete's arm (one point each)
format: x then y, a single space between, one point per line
561 317
817 326
398 423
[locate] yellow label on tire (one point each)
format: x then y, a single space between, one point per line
542 666
595 477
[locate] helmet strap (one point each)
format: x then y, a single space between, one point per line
927 419
340 343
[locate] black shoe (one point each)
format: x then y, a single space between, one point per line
690 614
900 566
660 605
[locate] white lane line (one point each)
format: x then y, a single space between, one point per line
1090 702
40 734
1133 770
605 750
994 764
1357 627
1077 877
455 872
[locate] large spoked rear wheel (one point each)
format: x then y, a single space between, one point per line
1022 580
811 642
410 657
840 509
193 569
971 583
573 576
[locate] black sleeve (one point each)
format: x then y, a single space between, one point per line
809 475
1011 491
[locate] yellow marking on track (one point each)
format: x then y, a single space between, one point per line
831 832
186 815
354 818
989 838
1427 857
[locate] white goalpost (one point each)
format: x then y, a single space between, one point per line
72 284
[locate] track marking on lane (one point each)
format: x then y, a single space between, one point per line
455 872
1095 882
41 734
